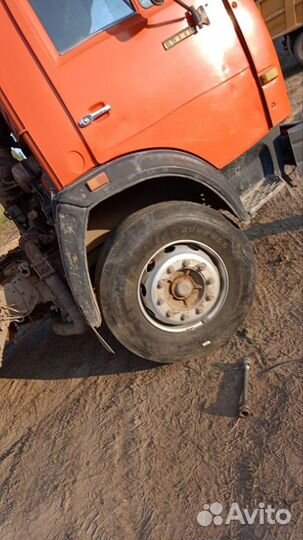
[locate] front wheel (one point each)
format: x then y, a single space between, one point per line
175 281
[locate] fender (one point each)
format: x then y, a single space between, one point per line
74 203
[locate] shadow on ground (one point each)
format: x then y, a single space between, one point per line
41 354
292 223
229 393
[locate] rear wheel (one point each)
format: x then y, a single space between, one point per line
175 280
297 48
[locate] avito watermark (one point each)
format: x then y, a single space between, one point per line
212 513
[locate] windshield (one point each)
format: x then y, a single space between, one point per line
69 22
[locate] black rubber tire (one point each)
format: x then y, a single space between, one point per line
297 48
131 246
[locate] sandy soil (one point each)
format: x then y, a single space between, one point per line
95 447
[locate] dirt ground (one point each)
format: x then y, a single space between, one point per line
95 447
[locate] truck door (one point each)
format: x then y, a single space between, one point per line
123 67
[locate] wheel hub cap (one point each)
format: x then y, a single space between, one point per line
182 288
183 285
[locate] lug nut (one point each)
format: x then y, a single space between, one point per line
210 281
159 302
201 267
183 317
185 264
209 298
160 284
169 314
170 269
198 311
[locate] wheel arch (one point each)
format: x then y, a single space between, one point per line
148 173
110 212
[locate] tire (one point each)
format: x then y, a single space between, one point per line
140 239
297 48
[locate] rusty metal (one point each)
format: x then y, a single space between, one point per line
60 293
244 409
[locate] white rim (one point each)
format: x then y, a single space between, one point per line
182 286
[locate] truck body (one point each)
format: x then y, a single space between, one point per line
285 19
149 131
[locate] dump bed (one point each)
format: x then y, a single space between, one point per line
282 16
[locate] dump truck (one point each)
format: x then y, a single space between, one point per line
150 134
284 18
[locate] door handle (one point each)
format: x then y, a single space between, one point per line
89 118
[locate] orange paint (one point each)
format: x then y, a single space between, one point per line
203 96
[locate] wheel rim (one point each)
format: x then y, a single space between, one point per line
182 286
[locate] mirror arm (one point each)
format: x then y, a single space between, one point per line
196 16
197 19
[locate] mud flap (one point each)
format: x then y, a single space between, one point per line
259 174
295 135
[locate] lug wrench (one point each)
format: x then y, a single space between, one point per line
244 408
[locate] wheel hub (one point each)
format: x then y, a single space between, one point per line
182 285
182 288
186 287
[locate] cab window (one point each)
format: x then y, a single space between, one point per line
69 22
145 3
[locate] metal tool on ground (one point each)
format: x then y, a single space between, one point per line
244 408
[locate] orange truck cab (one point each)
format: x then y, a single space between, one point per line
150 130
